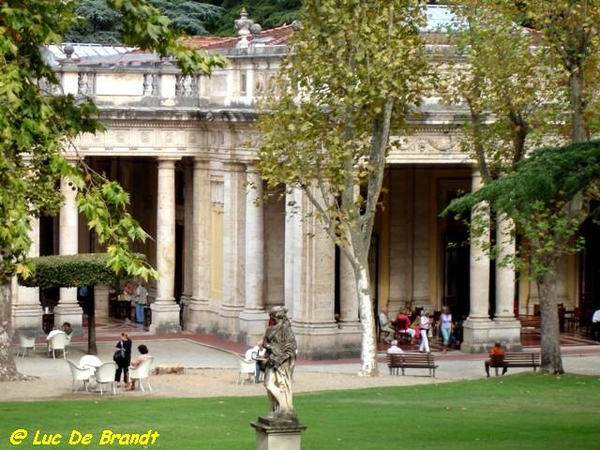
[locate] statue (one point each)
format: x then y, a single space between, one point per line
280 344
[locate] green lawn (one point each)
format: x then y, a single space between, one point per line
523 411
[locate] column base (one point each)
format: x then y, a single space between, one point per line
479 335
165 317
28 319
69 313
325 341
101 292
274 433
253 324
198 316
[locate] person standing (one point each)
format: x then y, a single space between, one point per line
445 327
141 300
424 325
123 359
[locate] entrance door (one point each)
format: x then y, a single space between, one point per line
590 271
456 272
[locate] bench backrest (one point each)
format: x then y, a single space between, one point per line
527 357
410 358
533 357
497 359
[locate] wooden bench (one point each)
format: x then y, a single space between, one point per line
509 360
399 362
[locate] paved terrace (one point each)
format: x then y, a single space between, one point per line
211 367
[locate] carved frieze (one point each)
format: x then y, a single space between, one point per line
427 146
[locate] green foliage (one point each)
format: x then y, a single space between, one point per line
36 125
539 195
356 67
268 13
102 24
509 87
356 70
84 269
99 24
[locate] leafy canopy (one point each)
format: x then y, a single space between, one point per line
536 196
37 124
101 24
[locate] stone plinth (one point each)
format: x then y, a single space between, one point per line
278 433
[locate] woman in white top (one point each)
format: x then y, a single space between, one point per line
424 325
445 327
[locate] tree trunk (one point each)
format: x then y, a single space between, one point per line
551 357
368 354
8 368
576 85
92 347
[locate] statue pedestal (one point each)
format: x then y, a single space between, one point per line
278 433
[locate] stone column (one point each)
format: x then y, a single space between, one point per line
27 310
188 257
478 324
196 319
350 333
254 317
68 310
349 319
313 320
233 250
165 311
508 328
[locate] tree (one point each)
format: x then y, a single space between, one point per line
101 24
267 13
75 271
37 129
356 70
563 52
537 196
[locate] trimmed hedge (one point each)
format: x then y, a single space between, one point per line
84 269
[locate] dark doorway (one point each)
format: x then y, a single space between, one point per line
456 254
456 272
589 280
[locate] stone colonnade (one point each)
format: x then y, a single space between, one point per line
226 282
479 331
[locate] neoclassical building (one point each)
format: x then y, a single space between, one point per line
184 147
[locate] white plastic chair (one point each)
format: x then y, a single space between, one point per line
25 343
247 370
106 374
58 342
78 374
142 372
92 362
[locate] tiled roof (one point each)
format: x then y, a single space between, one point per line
273 36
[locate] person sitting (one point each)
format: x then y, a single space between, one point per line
596 325
495 350
386 326
394 349
258 353
403 325
144 356
67 328
56 330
